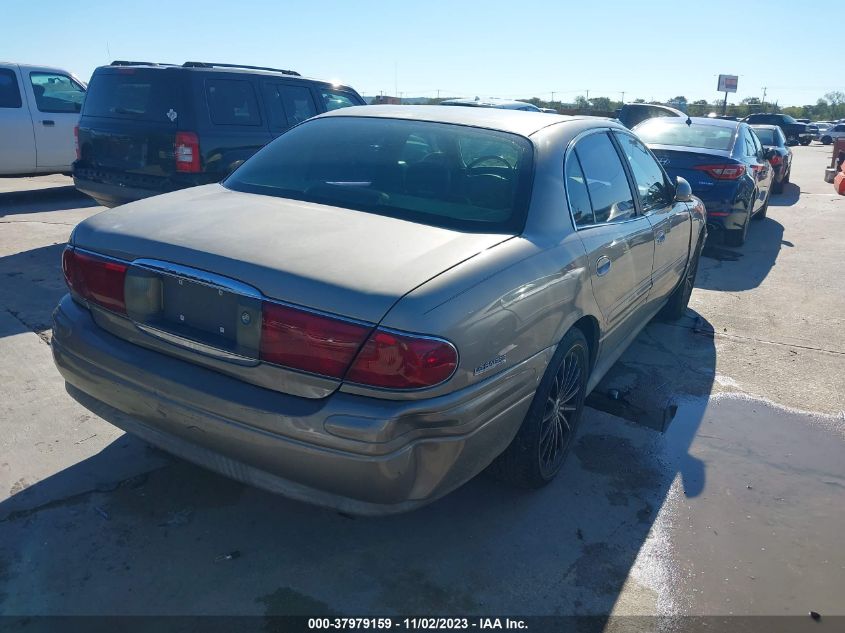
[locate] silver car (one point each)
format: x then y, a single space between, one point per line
382 302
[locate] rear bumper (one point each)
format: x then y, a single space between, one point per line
112 188
287 444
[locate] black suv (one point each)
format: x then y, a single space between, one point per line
147 129
794 131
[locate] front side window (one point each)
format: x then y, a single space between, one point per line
648 175
453 176
607 182
56 93
334 100
232 102
10 94
288 104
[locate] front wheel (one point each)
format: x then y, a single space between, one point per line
676 306
542 443
827 140
805 142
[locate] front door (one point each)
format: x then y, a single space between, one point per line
670 220
619 241
17 142
55 101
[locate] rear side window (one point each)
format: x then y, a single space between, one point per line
232 102
576 191
288 104
334 100
607 183
133 93
10 94
648 175
767 136
56 93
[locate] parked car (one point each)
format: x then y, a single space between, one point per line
381 302
632 114
793 131
39 107
503 104
148 129
822 126
723 161
780 156
832 133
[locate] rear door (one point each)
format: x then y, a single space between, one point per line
670 220
329 99
55 101
17 147
287 103
130 118
618 240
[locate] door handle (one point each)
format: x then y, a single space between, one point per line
603 265
661 237
48 122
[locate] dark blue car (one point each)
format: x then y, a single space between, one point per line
724 163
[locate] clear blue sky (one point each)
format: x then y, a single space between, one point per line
513 48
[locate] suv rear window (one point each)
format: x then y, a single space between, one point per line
445 175
232 102
133 93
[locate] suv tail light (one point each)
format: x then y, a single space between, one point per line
76 141
776 159
327 346
730 171
186 150
95 279
403 361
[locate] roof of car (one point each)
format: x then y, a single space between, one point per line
764 126
514 121
489 103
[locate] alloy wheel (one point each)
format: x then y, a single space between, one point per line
557 427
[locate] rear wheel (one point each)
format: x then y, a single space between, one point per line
736 237
827 140
777 187
805 141
537 453
761 214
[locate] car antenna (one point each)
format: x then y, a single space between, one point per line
689 121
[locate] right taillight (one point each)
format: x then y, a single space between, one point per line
394 360
95 279
76 141
730 171
776 159
186 150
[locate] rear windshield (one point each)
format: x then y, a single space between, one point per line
659 132
133 93
445 175
767 137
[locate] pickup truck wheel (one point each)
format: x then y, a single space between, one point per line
805 142
676 306
827 140
548 432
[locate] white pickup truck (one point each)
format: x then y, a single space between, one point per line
39 108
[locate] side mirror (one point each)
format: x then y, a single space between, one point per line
683 191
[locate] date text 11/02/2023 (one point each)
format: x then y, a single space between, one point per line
423 623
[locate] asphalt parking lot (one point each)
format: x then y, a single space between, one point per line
713 484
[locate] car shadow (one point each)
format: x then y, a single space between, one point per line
41 200
733 269
31 285
790 196
180 539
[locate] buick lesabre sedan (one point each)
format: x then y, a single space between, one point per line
382 302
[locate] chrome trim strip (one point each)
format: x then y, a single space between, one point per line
218 282
195 346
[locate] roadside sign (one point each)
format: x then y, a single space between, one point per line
728 83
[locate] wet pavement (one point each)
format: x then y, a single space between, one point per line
737 507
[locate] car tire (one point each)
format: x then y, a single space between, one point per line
788 175
548 432
761 214
805 142
676 306
736 237
777 187
827 140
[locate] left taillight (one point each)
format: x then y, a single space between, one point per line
96 279
776 159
